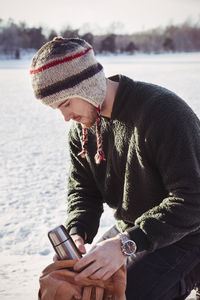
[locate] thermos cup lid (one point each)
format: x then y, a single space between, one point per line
58 235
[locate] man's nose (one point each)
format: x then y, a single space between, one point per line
67 116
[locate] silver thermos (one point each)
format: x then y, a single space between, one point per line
63 244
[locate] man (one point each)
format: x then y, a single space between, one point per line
142 158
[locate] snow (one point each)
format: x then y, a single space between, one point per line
34 161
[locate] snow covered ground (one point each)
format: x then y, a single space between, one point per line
34 161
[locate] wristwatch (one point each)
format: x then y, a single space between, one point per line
128 247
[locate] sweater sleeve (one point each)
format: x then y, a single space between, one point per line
84 199
174 144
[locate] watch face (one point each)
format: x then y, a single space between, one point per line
129 247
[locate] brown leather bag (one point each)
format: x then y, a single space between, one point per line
57 283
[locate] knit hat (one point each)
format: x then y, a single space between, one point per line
67 68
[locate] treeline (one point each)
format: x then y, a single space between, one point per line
174 38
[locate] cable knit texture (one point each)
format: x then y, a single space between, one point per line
151 177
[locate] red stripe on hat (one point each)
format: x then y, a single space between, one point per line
59 61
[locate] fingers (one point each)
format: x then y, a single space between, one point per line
87 293
78 240
55 258
99 293
77 297
93 269
94 265
104 275
109 297
100 274
87 272
92 248
84 262
101 262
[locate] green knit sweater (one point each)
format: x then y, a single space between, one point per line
151 176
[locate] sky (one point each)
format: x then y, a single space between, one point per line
124 16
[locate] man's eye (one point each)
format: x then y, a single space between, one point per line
67 104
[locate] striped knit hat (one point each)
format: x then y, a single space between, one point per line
67 68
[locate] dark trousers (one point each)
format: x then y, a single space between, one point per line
159 275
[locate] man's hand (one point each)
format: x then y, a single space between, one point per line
78 240
104 259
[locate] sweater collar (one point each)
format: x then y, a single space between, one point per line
122 93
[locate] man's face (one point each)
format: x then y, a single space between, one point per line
78 110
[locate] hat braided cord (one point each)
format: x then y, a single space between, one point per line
100 154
